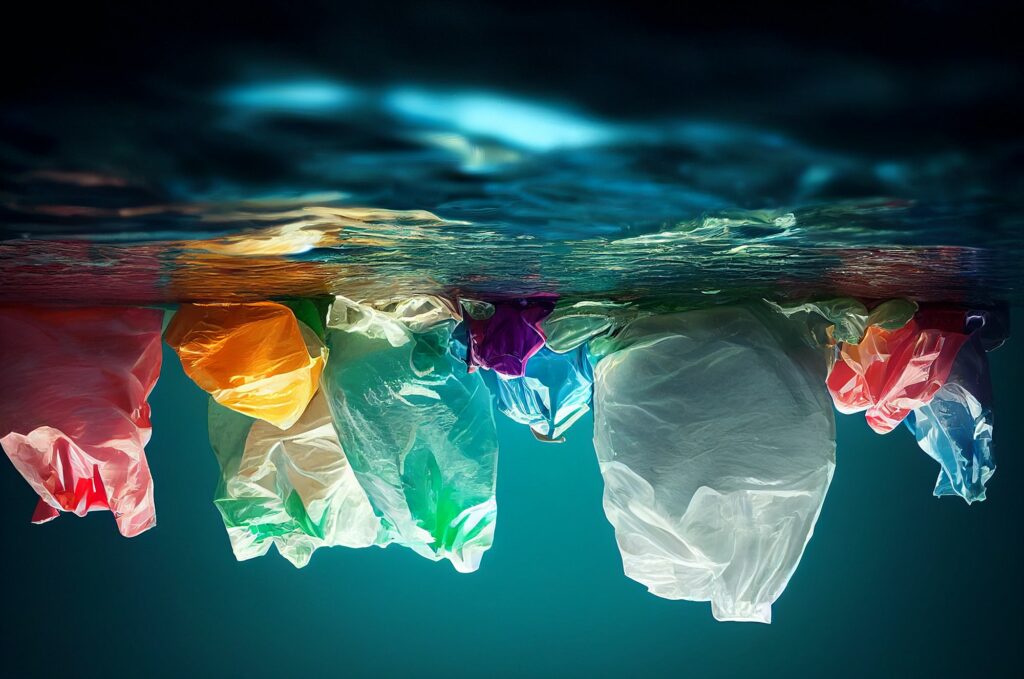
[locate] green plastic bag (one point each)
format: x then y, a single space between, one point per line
417 426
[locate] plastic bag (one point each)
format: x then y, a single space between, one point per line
892 372
554 393
716 441
74 418
293 489
572 325
506 340
850 319
955 427
417 427
256 359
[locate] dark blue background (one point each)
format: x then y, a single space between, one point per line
894 580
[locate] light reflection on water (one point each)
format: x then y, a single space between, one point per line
312 186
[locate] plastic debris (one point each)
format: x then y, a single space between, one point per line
554 393
955 427
850 319
74 417
418 428
505 341
294 489
311 313
256 359
572 325
716 441
891 372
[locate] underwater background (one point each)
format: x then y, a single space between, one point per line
894 581
673 158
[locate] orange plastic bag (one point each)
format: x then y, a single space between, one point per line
255 359
74 418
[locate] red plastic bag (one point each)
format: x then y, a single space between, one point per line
74 418
892 372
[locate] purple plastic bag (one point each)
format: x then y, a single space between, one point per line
506 341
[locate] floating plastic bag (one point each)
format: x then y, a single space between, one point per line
716 441
74 418
256 359
554 393
850 319
417 427
892 372
293 489
572 325
506 340
955 427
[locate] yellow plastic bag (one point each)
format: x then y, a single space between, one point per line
255 359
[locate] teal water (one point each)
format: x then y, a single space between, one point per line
894 581
144 165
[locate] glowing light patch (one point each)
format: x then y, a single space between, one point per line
299 96
527 125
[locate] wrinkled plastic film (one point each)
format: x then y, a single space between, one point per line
505 341
553 394
256 359
955 428
75 418
417 426
293 489
716 441
891 372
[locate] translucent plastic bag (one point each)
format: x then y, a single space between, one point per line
505 340
571 325
850 319
293 489
74 418
417 427
955 427
891 372
554 393
256 359
716 440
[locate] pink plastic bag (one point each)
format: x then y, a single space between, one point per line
74 418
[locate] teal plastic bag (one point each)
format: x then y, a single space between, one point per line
417 426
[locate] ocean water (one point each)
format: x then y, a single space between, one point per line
296 187
195 177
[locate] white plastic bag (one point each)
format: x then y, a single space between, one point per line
716 440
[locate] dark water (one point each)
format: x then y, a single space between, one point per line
700 154
316 186
691 155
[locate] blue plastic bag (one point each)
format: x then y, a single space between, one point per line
955 427
553 394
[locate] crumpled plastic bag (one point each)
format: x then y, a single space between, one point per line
716 441
74 417
255 359
294 489
891 372
555 392
571 325
505 341
955 427
850 319
417 427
